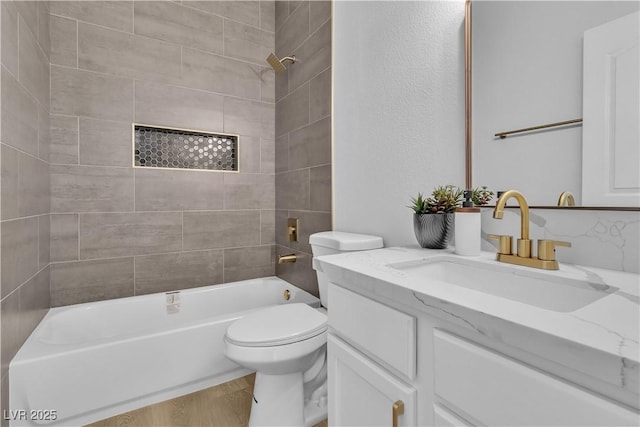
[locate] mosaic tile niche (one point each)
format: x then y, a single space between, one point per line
157 147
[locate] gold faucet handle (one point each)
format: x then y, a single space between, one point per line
504 243
547 249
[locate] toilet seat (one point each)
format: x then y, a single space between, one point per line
276 326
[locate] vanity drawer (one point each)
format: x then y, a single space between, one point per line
385 333
497 390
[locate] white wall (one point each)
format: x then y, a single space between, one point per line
398 110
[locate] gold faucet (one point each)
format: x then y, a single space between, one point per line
546 248
566 198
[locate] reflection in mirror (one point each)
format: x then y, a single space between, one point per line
528 70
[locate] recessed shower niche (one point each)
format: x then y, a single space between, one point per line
160 147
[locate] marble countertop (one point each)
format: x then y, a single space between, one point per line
599 339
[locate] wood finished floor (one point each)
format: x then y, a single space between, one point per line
225 405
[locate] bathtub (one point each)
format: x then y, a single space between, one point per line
87 362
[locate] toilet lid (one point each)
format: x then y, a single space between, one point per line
277 325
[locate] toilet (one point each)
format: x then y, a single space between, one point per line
286 346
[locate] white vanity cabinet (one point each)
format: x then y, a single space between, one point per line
379 355
370 375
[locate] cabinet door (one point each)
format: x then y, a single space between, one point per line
361 393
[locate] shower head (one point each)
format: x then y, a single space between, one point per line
277 64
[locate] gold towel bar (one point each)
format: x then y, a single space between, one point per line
503 135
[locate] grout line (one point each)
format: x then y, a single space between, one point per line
77 43
78 215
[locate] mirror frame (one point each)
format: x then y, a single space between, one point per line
468 121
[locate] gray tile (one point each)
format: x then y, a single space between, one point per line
178 24
248 43
109 51
292 190
316 52
44 240
44 32
34 66
249 118
178 190
10 182
308 223
249 191
105 143
9 39
86 281
64 140
267 85
44 135
267 155
34 186
4 402
242 11
64 237
292 111
282 153
64 41
268 15
280 227
320 188
219 74
296 30
249 263
35 301
10 332
91 189
88 94
249 154
221 229
320 96
281 13
125 234
28 11
19 252
310 145
319 13
182 270
299 273
178 107
267 227
112 14
19 116
281 85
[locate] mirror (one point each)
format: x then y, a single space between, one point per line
527 70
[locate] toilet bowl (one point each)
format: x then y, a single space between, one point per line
286 346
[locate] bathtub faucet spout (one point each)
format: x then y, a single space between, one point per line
286 258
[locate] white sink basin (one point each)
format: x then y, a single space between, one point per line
531 287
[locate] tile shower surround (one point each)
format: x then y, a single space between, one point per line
24 159
196 65
303 132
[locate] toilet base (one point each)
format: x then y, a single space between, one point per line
278 400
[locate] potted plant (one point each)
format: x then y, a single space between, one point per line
433 216
481 196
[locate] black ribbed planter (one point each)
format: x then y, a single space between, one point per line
433 231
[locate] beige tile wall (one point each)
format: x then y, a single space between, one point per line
303 132
24 176
117 230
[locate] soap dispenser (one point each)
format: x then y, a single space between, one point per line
467 227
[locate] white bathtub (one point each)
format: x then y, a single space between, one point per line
87 362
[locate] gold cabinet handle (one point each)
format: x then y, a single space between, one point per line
398 409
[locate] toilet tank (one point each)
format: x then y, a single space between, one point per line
336 242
